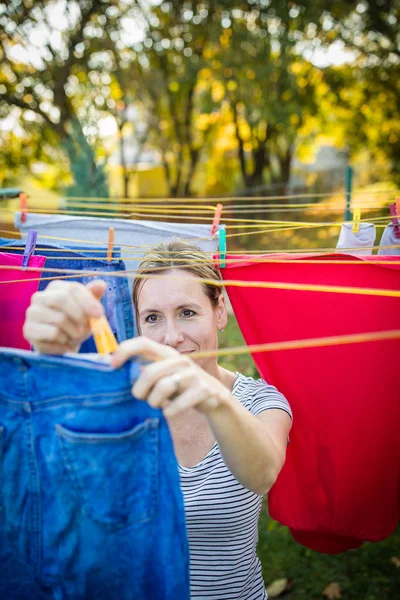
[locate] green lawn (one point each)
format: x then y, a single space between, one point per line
366 573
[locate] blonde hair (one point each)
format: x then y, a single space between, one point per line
177 254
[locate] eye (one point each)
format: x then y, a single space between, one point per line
187 313
151 318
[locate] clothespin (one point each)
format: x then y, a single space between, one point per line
356 220
103 336
222 248
110 245
23 198
395 219
217 218
29 248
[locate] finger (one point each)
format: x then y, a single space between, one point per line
43 332
62 298
156 371
190 398
163 389
143 347
45 348
97 287
89 304
44 315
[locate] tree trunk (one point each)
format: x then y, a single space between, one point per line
89 178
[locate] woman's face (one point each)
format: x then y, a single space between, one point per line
178 313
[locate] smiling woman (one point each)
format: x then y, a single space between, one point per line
176 308
229 431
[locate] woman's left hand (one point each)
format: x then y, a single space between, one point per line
172 381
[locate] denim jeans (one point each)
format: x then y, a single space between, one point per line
91 506
116 301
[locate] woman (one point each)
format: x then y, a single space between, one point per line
229 431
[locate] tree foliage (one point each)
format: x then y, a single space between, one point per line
198 84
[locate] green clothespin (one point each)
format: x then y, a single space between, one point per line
222 247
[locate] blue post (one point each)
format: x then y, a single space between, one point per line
349 183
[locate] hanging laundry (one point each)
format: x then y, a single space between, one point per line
340 485
390 244
116 301
91 500
139 235
360 242
15 296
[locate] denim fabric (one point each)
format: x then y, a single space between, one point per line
116 301
91 506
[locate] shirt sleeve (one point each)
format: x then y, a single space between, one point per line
265 397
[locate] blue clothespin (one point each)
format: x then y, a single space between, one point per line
222 247
29 248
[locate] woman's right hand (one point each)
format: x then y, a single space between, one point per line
57 320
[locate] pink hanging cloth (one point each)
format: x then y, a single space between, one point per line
340 485
15 297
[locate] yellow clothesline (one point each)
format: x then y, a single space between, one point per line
226 283
176 209
336 340
228 260
218 199
242 223
138 247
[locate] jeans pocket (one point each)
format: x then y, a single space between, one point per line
115 475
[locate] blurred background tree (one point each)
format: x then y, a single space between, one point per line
205 88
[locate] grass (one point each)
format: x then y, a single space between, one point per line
366 573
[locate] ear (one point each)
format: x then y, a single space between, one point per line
222 313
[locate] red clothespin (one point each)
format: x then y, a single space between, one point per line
395 219
110 245
23 198
29 248
217 217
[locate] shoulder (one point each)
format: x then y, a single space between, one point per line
258 395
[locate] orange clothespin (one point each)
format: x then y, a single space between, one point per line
23 198
356 220
398 206
217 217
110 245
103 336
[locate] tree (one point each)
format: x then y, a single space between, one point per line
37 62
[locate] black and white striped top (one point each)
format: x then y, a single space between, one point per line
222 515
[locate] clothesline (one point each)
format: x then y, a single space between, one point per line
176 209
336 340
251 259
227 198
214 282
242 223
149 246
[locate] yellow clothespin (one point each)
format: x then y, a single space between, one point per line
356 220
103 336
110 245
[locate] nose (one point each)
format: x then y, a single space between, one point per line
173 336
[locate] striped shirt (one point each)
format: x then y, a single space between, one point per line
222 515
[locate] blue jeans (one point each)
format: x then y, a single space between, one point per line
116 301
91 506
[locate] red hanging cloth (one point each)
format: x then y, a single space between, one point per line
340 485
